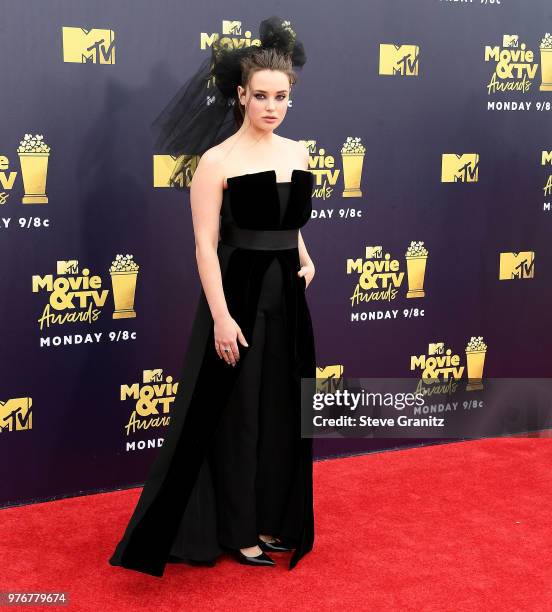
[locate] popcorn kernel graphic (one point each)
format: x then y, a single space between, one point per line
352 155
33 156
124 273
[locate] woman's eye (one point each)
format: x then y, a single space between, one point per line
259 96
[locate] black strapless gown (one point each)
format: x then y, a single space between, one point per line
178 514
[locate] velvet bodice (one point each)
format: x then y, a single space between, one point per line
257 201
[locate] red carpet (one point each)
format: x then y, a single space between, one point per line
460 526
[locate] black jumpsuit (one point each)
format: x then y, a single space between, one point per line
253 447
233 463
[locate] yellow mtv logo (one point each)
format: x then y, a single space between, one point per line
329 378
94 46
517 265
232 28
67 266
169 170
310 144
510 40
151 376
460 168
374 252
436 348
16 414
399 59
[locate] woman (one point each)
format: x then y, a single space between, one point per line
234 473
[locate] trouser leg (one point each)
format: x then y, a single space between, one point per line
252 445
276 419
235 449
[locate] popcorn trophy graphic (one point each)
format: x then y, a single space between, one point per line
546 62
124 272
475 358
33 157
416 258
352 154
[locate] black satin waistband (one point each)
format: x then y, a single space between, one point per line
263 240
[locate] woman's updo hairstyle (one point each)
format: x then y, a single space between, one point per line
263 59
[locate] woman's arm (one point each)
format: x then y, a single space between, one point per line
304 257
206 199
307 265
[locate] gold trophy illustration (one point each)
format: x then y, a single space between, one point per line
124 273
416 258
33 156
352 155
475 358
546 62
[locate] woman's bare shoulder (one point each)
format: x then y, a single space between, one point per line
297 150
217 162
209 166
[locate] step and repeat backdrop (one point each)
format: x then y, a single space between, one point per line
428 124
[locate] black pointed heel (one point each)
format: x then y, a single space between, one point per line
276 546
262 559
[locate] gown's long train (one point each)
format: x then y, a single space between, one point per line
176 513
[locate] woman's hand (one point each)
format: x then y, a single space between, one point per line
226 332
308 272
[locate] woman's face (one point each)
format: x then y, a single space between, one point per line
266 98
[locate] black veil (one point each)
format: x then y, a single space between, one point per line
205 110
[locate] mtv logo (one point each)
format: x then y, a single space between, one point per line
150 376
16 414
68 266
517 265
94 46
374 252
399 59
169 170
436 348
310 144
460 168
232 28
329 378
510 40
